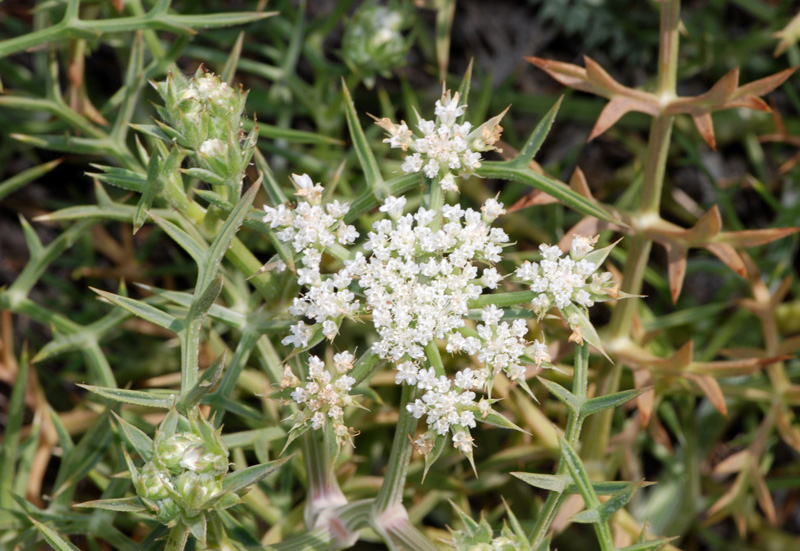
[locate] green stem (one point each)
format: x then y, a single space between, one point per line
323 488
435 202
580 383
178 536
391 492
190 352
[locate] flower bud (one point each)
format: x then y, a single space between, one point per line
373 41
196 489
171 451
166 510
153 483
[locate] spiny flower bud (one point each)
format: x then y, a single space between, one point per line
195 489
205 116
373 42
153 483
171 451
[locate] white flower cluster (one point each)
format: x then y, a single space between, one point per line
445 147
325 393
310 228
562 280
420 272
419 280
498 346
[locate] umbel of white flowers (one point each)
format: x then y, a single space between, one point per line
415 283
444 148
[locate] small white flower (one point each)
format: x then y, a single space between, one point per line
538 351
490 278
581 246
448 182
393 206
412 163
317 420
492 208
213 148
462 441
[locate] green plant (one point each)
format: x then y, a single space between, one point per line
290 365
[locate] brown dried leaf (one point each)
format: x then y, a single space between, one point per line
763 496
676 268
790 164
764 85
711 389
707 227
567 74
598 76
749 102
728 256
713 100
788 432
723 89
705 125
754 238
730 368
580 185
732 464
611 113
659 433
646 400
534 198
729 503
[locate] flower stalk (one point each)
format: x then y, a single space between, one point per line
580 384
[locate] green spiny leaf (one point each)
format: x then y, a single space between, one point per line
198 251
600 403
224 237
238 481
369 165
210 378
143 310
52 537
537 137
138 440
122 504
26 176
152 399
569 399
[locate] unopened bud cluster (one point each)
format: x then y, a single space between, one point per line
445 147
204 116
185 472
373 42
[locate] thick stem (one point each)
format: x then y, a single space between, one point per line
649 205
324 493
391 492
178 536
